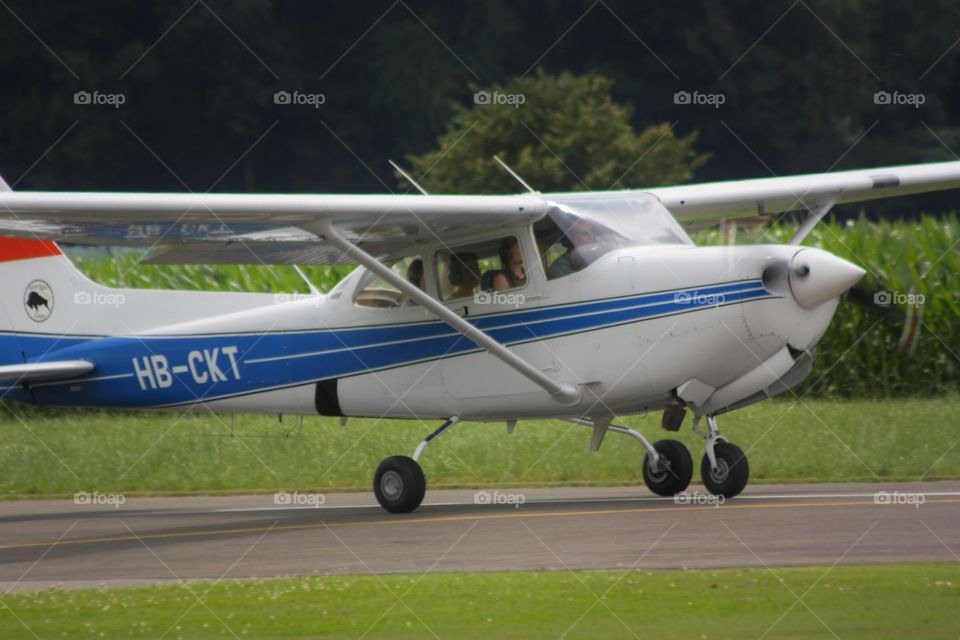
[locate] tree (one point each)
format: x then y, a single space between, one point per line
560 133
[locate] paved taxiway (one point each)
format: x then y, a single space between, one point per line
153 540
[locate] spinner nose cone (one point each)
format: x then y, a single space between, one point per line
817 276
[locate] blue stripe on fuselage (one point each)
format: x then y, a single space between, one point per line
176 370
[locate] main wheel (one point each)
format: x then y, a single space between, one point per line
674 468
399 484
732 474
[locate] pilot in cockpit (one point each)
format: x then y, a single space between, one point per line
579 235
415 274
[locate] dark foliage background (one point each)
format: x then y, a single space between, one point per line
199 78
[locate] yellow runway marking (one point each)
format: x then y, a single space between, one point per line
490 516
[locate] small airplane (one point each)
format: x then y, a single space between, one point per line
578 306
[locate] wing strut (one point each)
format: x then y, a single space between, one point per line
565 394
815 213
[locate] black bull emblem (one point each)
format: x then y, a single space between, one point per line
35 301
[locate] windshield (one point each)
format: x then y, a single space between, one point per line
582 227
635 217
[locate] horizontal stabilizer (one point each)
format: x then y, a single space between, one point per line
35 371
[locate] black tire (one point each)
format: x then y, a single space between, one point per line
675 468
399 484
734 470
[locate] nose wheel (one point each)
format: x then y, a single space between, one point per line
724 468
731 473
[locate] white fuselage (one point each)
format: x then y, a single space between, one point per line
628 331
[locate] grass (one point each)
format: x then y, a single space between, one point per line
901 601
45 454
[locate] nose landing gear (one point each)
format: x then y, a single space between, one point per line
724 468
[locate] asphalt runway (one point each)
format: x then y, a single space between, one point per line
165 540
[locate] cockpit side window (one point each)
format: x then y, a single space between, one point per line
488 265
378 293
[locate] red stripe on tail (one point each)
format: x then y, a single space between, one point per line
23 248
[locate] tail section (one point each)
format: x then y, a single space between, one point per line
37 283
39 290
47 304
43 294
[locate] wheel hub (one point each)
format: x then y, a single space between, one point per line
661 472
719 473
391 484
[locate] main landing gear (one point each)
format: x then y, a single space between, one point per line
667 465
399 483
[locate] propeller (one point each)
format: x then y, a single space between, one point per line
882 301
814 276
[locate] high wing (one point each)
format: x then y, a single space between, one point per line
281 228
699 205
253 228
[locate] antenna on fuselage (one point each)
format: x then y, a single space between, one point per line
515 176
407 176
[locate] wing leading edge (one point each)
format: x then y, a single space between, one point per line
252 228
275 228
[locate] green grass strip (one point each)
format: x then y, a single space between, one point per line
897 601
